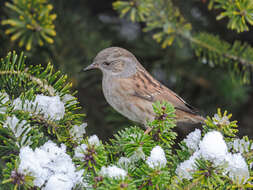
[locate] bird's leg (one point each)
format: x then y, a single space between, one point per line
148 129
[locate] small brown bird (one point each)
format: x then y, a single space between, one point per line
131 90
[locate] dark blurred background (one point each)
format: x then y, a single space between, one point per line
85 27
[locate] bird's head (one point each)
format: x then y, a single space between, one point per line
115 61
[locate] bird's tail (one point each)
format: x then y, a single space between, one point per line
185 117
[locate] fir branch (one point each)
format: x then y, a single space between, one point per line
133 160
42 83
43 80
168 25
214 44
194 183
239 12
33 81
31 22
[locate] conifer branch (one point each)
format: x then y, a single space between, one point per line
168 25
239 13
42 83
209 47
131 160
30 22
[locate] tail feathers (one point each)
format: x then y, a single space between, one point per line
185 117
200 119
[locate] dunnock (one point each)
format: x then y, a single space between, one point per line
131 90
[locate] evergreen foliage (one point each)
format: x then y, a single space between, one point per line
239 13
236 56
30 22
215 159
168 24
84 28
42 141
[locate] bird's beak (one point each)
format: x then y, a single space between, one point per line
94 65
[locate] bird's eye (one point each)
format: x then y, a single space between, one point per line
106 63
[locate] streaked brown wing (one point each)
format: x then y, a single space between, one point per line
146 87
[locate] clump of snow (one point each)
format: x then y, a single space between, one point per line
50 166
192 140
213 147
15 125
113 172
94 140
80 151
62 182
137 155
237 168
186 168
124 162
157 158
51 107
240 145
59 182
18 128
68 98
5 98
77 132
26 105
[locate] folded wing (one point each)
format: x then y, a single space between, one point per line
147 88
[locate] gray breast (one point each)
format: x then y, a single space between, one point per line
119 100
